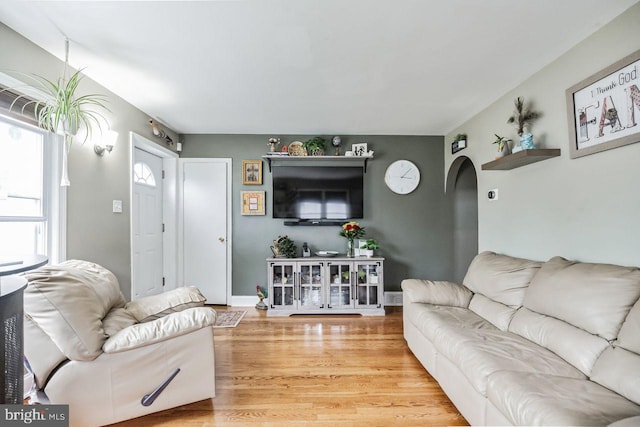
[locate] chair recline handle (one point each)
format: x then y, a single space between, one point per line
148 399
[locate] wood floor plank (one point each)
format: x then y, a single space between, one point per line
315 371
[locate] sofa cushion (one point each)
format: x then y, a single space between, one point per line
498 314
116 320
156 306
593 297
68 302
629 335
576 346
479 353
431 318
500 277
539 399
619 370
436 292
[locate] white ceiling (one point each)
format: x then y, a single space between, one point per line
405 67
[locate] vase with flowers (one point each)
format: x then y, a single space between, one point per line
351 231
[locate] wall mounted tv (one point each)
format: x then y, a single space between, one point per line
317 194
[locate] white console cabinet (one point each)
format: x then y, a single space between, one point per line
325 286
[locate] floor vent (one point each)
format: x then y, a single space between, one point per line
393 298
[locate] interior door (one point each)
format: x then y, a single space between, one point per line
205 223
147 225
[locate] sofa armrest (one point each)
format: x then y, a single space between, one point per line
626 422
154 307
167 327
436 292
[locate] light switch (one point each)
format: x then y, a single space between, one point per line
117 206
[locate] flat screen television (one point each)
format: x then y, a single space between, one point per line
311 193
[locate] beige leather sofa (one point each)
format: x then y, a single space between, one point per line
528 343
101 356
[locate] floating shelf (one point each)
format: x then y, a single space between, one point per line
521 158
309 160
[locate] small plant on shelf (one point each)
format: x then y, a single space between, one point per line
285 247
522 116
315 146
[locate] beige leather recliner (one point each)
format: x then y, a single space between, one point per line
110 360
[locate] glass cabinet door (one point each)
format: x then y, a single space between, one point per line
368 284
311 280
340 285
283 285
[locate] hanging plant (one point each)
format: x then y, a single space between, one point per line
63 111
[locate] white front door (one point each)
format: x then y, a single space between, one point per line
206 227
147 225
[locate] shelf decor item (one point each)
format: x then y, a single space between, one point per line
315 146
351 231
503 146
369 246
603 108
284 247
523 116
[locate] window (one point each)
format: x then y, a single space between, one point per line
142 174
30 197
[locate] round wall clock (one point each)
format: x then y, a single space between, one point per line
402 177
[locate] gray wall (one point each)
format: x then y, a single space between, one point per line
94 233
414 231
465 214
585 209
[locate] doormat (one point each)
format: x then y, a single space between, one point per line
228 318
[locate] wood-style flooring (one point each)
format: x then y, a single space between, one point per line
315 370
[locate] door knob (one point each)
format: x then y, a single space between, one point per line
221 239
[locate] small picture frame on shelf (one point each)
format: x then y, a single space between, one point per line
252 202
359 149
252 172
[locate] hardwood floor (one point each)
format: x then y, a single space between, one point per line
315 370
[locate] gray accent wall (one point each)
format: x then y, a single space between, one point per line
414 231
585 208
94 233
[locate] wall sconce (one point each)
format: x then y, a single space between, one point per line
109 139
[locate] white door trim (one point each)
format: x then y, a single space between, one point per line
169 206
180 245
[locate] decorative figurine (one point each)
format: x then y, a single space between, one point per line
262 294
273 143
336 142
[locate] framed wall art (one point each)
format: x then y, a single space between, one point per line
252 202
604 109
252 172
359 149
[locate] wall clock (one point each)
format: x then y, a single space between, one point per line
402 177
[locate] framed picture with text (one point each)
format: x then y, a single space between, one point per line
252 172
604 109
252 202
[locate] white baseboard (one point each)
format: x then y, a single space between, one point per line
245 300
393 298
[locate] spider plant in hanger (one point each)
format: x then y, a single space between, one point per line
63 111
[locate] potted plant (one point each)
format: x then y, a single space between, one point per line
285 247
369 246
523 116
64 111
315 146
503 146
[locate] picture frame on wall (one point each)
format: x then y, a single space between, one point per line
604 109
252 202
252 172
